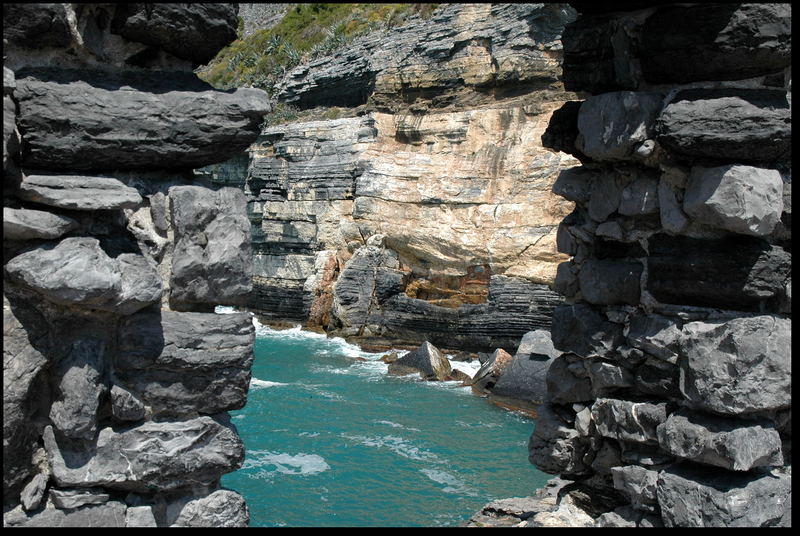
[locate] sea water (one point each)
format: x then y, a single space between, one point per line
332 440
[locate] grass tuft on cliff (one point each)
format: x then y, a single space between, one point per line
306 31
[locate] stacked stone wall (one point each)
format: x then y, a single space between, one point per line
117 373
671 401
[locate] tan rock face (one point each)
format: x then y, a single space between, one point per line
461 189
437 166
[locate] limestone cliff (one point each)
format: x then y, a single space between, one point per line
670 404
117 374
425 210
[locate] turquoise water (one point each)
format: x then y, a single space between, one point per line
334 441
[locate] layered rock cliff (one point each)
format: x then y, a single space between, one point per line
117 374
425 211
671 402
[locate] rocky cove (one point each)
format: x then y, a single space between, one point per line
597 198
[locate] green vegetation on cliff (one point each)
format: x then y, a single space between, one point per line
305 32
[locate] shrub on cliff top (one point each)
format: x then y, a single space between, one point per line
305 32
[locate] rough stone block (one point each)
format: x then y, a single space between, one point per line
79 387
140 516
212 261
26 224
729 443
657 335
740 125
149 457
692 497
222 508
109 514
130 121
605 282
191 31
70 499
556 448
568 381
579 329
180 363
608 376
740 199
427 360
613 125
33 492
628 421
79 192
640 196
77 271
715 42
739 366
638 483
738 272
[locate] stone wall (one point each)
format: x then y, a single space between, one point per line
671 401
117 373
424 211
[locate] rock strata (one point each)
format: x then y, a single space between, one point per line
423 211
675 382
116 372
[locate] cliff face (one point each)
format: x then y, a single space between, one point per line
671 402
426 212
117 375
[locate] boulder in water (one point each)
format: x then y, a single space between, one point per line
427 360
491 370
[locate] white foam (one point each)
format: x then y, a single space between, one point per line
255 383
452 484
397 425
288 464
467 367
398 445
225 310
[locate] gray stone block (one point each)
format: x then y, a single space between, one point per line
148 457
613 125
739 366
610 282
691 497
212 261
556 448
628 421
79 192
427 360
180 363
77 271
26 224
729 443
121 121
740 199
740 125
